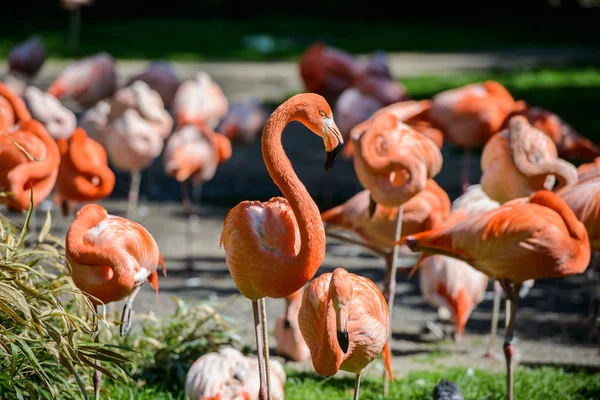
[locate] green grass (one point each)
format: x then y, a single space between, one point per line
531 384
224 39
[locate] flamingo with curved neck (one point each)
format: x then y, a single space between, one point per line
274 248
12 109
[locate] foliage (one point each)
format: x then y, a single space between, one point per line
164 349
45 346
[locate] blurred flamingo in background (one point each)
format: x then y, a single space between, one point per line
290 343
589 168
83 174
24 62
229 375
469 115
161 78
12 109
274 248
346 324
19 174
200 101
521 160
110 259
138 126
570 144
244 120
87 80
527 238
95 121
59 121
193 153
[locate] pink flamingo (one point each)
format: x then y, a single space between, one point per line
161 78
200 100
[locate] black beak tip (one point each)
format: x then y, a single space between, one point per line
342 337
286 324
372 207
332 156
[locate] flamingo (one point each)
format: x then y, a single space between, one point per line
469 115
110 259
244 120
346 324
588 168
229 375
24 62
83 174
87 80
193 153
59 121
569 143
274 248
527 238
12 109
290 343
200 100
161 78
20 174
521 160
95 121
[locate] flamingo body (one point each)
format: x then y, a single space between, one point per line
244 121
161 78
201 101
56 118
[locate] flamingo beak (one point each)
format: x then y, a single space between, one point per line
372 207
332 156
343 341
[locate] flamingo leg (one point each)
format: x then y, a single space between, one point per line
389 290
590 275
356 386
97 374
511 291
466 169
262 393
186 200
265 339
75 28
494 327
134 194
127 311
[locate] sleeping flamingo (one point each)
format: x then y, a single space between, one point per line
193 153
229 375
274 248
346 324
110 259
527 238
83 174
59 121
19 174
24 62
87 80
200 100
161 78
290 343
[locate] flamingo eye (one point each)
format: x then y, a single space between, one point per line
323 114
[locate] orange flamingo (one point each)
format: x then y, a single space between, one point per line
570 144
161 78
290 343
274 248
193 153
589 168
469 115
201 101
56 118
521 160
87 81
19 173
229 375
83 174
12 109
346 324
110 259
527 238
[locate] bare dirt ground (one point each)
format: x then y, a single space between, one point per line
550 328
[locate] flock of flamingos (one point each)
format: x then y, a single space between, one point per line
533 215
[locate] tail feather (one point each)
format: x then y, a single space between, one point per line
387 359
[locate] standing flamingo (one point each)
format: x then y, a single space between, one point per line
290 343
274 248
193 153
527 238
521 160
24 62
200 100
229 375
469 115
87 80
19 174
161 78
110 259
59 121
83 174
346 324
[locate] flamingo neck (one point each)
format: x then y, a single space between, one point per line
308 217
328 360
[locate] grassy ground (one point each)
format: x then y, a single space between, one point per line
223 39
532 384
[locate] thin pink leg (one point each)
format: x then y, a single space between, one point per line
466 168
512 292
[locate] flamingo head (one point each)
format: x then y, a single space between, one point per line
340 289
